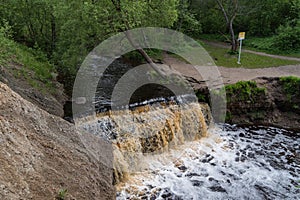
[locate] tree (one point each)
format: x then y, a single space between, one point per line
187 21
32 22
147 10
84 24
229 9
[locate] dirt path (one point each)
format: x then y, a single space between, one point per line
233 75
224 45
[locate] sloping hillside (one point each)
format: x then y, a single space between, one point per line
28 72
41 154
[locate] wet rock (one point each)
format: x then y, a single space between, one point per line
251 155
166 194
191 175
211 179
243 158
182 168
207 158
217 189
197 183
242 135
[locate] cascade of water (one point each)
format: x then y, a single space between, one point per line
148 130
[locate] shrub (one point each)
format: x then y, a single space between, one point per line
243 91
287 38
291 85
6 30
291 88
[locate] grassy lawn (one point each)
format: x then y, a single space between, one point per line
248 60
292 54
253 43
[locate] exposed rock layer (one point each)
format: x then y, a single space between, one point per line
41 154
274 107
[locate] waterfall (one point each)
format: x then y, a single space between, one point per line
147 131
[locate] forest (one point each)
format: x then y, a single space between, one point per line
64 32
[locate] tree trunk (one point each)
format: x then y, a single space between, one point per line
143 53
233 39
229 20
136 46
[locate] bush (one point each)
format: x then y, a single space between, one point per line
288 38
5 30
291 85
243 91
263 43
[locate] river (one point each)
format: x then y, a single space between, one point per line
231 163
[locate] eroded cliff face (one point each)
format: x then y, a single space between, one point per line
41 154
146 131
270 101
274 107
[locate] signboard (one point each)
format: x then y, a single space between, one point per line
241 38
242 35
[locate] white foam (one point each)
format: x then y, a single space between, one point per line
231 164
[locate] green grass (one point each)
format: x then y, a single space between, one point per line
261 44
243 91
62 194
248 60
265 45
27 63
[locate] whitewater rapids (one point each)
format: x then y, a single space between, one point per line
230 163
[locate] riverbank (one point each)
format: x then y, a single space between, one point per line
274 107
233 75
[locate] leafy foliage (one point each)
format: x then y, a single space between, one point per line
33 64
243 91
65 31
62 194
291 85
288 38
187 21
274 20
